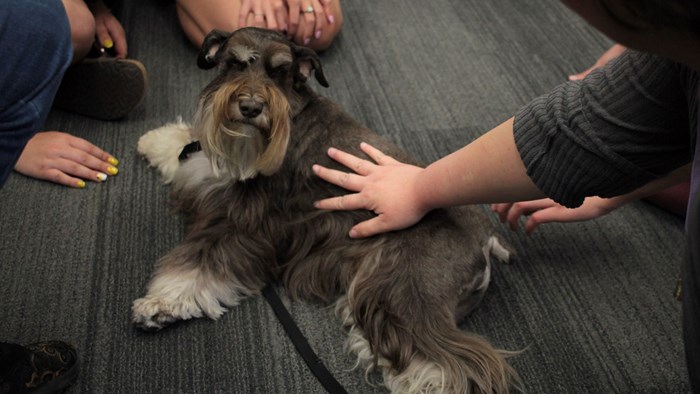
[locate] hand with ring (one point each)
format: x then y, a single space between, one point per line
270 14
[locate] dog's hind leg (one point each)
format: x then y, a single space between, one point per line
402 322
196 279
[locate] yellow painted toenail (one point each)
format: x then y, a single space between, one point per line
113 161
80 184
112 170
107 43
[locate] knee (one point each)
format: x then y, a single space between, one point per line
197 22
82 27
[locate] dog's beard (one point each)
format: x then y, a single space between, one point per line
242 148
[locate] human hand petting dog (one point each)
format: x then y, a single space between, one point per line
387 188
302 21
64 159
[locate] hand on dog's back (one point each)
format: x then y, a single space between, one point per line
386 188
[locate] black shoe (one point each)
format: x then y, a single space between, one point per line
104 88
39 368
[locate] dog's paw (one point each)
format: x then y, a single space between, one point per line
162 146
152 314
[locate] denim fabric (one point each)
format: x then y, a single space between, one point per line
35 51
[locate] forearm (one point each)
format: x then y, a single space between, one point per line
488 170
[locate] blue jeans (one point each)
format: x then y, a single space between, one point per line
35 51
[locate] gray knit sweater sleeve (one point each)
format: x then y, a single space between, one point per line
621 127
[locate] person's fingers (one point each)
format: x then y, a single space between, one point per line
116 31
319 19
258 14
369 228
328 11
294 8
103 36
307 28
281 15
270 19
535 220
348 202
375 154
501 210
89 147
360 166
345 180
57 176
524 208
244 11
76 169
99 169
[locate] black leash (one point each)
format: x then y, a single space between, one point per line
301 344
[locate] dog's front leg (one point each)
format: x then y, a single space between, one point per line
192 282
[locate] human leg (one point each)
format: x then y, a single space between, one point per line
30 73
198 19
82 27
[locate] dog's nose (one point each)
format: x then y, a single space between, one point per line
250 108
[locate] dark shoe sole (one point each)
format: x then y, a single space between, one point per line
102 88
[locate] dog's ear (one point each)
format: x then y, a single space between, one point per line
209 54
307 62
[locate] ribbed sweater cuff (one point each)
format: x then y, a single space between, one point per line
565 163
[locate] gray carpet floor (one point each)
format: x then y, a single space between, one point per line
590 302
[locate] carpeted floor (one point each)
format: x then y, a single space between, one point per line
590 302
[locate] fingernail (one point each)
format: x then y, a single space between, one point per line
331 151
318 34
331 19
107 43
80 184
307 41
112 170
352 233
102 177
113 161
314 167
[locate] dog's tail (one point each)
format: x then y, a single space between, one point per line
453 361
434 356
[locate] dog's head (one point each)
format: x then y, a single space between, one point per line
244 115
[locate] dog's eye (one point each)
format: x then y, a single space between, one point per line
236 64
280 71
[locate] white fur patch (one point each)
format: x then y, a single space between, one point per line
420 377
182 294
494 248
162 146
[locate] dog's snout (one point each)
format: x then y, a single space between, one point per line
250 108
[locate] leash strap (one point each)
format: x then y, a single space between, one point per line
301 344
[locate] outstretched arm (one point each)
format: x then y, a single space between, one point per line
487 170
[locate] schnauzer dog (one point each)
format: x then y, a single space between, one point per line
249 200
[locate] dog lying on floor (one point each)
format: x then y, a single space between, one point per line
249 199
